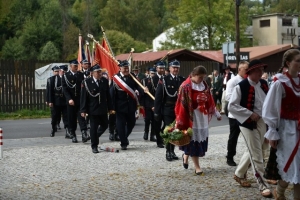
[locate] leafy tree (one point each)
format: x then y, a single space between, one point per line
287 6
203 24
13 49
70 42
49 52
135 17
122 42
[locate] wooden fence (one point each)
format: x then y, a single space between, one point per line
17 86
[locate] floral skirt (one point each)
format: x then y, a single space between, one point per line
271 170
195 148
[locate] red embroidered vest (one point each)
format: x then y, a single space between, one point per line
290 105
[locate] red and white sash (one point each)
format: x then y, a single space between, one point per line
125 87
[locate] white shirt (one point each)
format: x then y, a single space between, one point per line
241 113
201 87
272 105
96 81
225 77
229 89
159 76
73 72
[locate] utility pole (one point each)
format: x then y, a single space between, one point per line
237 31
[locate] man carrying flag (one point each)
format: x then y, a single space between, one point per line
124 93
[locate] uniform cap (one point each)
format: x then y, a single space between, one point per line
95 68
64 67
85 62
152 70
124 63
73 62
174 63
55 68
160 64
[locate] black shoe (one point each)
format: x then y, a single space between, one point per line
230 162
117 138
95 150
152 138
74 139
88 136
58 126
199 173
124 147
111 137
52 134
186 166
84 136
146 136
160 146
174 157
68 135
169 156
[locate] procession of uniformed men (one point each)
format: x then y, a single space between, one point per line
87 97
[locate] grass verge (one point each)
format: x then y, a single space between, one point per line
26 114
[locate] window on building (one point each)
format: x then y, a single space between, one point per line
265 23
286 22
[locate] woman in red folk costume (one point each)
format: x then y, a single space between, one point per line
281 112
194 109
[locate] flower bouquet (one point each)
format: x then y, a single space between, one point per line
175 136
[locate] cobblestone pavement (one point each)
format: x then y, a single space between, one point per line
141 172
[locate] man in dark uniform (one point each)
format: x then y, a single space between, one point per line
85 68
148 103
165 100
160 70
57 101
217 87
95 101
113 132
140 76
226 77
125 101
72 83
86 65
55 70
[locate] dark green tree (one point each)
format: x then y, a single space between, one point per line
49 52
122 42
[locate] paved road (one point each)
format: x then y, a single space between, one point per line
32 128
40 130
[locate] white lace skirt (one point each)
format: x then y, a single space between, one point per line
288 138
200 126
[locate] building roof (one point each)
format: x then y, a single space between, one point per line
275 14
257 52
154 56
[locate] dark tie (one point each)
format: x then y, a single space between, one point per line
176 81
125 77
98 83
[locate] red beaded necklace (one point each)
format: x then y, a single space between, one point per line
295 86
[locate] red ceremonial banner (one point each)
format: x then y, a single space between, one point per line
105 59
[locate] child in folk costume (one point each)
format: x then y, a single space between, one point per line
194 108
281 112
